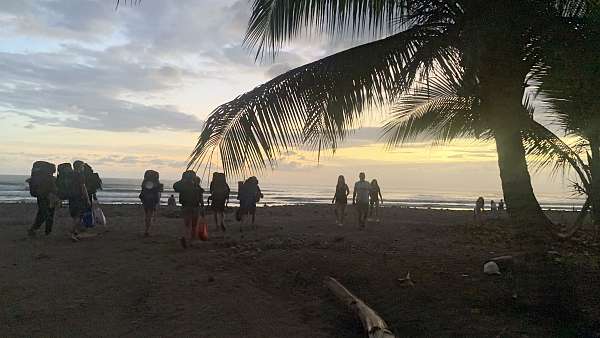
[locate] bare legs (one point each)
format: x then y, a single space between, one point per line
149 217
75 227
340 213
190 221
220 220
374 209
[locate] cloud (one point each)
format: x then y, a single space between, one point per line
56 90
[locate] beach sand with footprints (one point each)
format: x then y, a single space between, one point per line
268 282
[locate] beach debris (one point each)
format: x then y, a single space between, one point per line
373 324
406 281
42 256
339 239
491 268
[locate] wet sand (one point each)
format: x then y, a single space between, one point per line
268 282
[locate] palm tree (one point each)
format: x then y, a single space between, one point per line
570 88
492 44
445 111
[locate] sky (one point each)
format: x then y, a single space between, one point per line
127 90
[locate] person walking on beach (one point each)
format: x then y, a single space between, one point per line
150 197
501 205
478 210
79 198
190 198
219 196
93 183
341 200
360 198
42 186
171 201
249 195
375 199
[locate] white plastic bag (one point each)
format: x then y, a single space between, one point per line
99 218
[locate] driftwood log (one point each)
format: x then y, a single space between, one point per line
374 325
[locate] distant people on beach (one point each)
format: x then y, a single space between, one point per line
360 199
42 186
375 199
341 200
191 200
171 202
501 205
249 194
219 197
150 197
479 208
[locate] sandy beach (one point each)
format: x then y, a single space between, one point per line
269 282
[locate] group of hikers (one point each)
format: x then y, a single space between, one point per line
76 183
366 197
191 198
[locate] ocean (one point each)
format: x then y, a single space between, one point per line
13 189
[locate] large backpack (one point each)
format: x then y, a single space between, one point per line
219 189
93 183
40 183
188 193
151 188
64 181
151 175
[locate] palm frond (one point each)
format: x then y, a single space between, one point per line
131 2
315 104
436 111
545 149
273 22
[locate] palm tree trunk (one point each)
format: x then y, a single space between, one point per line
522 205
502 90
595 179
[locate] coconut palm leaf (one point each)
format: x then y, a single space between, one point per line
435 110
132 2
273 22
546 149
317 104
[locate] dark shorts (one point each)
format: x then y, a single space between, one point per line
248 206
150 208
362 207
374 202
218 205
150 205
191 212
77 207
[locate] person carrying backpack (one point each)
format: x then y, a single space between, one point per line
249 195
64 180
190 198
79 198
219 196
42 186
93 183
150 197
